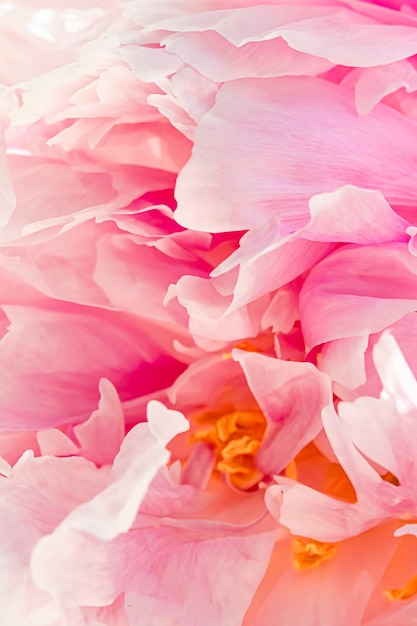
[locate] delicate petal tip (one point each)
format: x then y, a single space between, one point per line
164 423
407 529
397 378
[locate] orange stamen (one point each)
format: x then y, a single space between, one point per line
308 553
408 591
236 438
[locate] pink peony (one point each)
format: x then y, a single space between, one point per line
208 296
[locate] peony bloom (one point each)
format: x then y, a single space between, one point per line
208 279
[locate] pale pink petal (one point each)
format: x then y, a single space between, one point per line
378 499
407 529
348 39
108 513
309 513
189 96
375 437
141 455
357 291
218 59
387 435
151 64
401 330
211 324
93 192
333 33
266 265
215 190
369 437
375 83
37 39
229 571
398 381
151 562
35 498
353 215
291 396
344 360
7 195
283 309
151 565
153 144
224 17
338 34
268 259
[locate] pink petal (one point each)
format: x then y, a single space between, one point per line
14 444
150 561
210 381
72 253
40 204
31 35
229 570
353 215
277 123
268 259
397 379
210 322
141 455
375 83
337 34
218 59
72 349
344 360
99 438
35 498
401 331
367 434
291 396
136 277
349 39
357 291
337 592
7 195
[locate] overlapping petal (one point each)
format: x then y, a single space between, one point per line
208 222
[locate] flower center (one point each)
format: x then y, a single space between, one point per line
235 438
408 591
308 553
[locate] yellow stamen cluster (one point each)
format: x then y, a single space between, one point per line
408 591
308 553
235 437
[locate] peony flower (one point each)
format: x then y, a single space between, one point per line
208 271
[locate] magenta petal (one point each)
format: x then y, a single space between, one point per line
61 375
99 438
